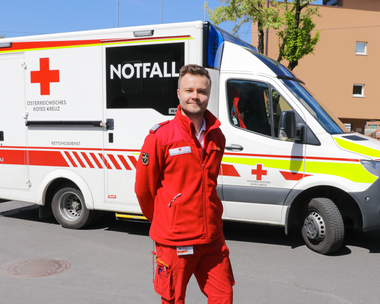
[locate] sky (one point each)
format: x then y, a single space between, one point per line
34 17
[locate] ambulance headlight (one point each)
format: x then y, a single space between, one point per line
371 166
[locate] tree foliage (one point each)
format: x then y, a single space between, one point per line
292 20
295 38
247 11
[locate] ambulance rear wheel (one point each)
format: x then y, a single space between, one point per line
69 208
323 228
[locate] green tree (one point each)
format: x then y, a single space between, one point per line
247 11
295 37
293 20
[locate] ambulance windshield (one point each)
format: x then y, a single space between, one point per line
326 118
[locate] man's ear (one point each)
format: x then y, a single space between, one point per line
178 94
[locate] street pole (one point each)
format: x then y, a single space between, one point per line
117 14
204 8
266 34
161 11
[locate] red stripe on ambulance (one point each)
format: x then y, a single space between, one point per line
114 161
71 160
228 170
87 160
293 176
13 157
125 163
96 160
133 160
74 159
105 161
47 158
79 159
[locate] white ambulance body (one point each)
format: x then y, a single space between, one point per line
76 107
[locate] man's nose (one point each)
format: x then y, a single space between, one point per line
195 95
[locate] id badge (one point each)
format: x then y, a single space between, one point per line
185 250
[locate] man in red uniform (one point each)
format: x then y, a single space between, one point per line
176 183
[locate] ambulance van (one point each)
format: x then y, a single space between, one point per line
76 107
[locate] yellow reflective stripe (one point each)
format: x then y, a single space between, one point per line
130 216
144 41
52 48
352 171
285 164
96 44
350 146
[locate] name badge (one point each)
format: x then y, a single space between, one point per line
178 151
185 250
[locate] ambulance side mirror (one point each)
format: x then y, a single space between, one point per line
288 130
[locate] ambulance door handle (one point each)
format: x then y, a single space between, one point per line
110 124
234 147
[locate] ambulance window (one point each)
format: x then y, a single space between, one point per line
144 76
249 106
279 105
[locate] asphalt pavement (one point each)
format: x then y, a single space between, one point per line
111 262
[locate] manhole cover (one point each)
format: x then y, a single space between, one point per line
36 268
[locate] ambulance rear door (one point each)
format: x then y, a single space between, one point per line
13 139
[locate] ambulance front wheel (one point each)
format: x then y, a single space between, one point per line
69 208
323 228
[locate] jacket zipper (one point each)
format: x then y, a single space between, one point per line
204 200
172 201
204 187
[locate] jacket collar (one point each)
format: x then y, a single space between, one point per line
211 121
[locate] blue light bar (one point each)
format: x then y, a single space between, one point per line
216 37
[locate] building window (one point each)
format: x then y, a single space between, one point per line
348 126
361 48
358 90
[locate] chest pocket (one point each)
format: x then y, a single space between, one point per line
180 150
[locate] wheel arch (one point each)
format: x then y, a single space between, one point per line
346 204
61 178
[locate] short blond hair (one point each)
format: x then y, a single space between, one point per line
193 69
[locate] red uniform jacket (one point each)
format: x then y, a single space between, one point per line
176 185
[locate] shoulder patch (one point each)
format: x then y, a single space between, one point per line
157 126
145 159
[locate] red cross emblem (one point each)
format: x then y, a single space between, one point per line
44 76
259 172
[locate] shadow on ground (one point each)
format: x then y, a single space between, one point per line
234 231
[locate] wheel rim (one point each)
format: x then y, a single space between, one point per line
70 206
315 227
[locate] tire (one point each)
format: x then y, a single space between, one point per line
323 228
70 210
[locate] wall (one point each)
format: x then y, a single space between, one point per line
333 69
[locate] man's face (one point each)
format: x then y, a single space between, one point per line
193 94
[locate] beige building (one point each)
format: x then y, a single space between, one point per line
372 129
344 71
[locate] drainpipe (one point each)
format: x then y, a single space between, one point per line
266 34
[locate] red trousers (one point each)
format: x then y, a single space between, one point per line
209 263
